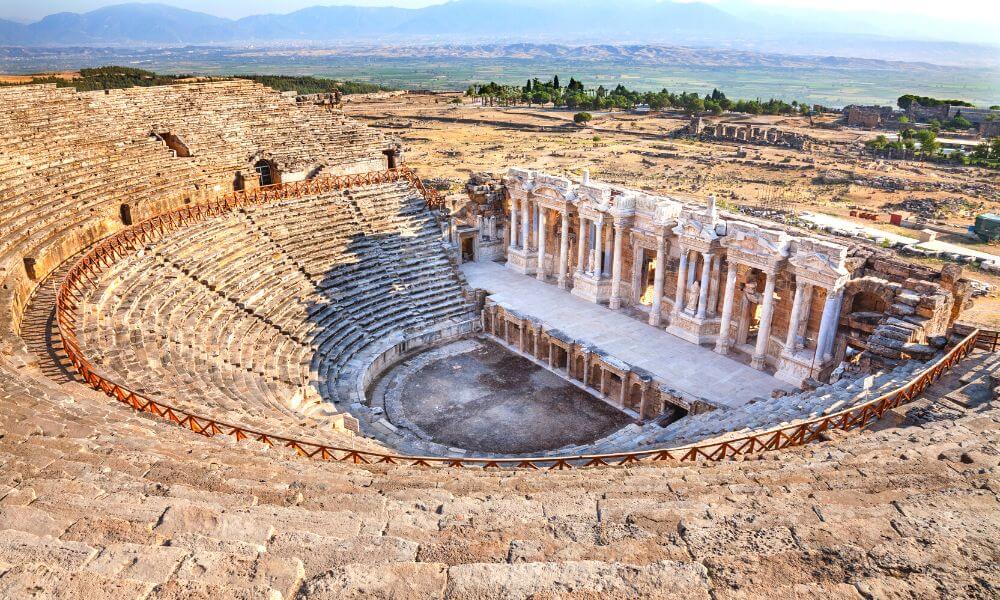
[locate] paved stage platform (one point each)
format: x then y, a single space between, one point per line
688 368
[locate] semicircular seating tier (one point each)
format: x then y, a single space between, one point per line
269 314
78 166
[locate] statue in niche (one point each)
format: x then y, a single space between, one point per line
751 293
692 296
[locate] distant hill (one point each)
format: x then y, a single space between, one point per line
567 22
462 19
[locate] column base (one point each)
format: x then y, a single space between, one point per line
692 329
563 283
758 362
796 367
723 346
591 289
655 318
519 261
615 303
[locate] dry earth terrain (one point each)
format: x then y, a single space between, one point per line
448 140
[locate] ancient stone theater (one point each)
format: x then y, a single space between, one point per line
247 352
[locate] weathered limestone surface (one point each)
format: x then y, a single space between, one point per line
119 505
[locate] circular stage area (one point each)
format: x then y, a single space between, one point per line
476 395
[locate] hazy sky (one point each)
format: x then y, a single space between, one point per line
972 10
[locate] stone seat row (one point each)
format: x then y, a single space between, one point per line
224 315
766 413
96 501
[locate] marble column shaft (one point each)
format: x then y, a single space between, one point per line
728 299
525 225
795 316
564 250
616 268
513 222
681 281
661 259
540 236
759 359
598 248
581 245
706 274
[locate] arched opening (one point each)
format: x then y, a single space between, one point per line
125 213
866 310
647 277
868 302
265 172
391 159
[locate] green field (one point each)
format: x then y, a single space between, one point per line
817 84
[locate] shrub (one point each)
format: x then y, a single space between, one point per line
582 118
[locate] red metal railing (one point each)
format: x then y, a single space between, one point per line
89 268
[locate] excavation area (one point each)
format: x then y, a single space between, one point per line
476 395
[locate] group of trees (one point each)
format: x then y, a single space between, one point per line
908 140
923 143
114 77
906 100
574 96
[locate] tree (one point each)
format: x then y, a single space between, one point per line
582 118
880 143
929 145
995 107
959 122
555 82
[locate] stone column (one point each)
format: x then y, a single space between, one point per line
542 222
723 344
828 324
759 360
616 269
513 223
564 251
807 295
706 275
525 225
581 246
623 394
713 294
681 281
693 271
654 314
795 317
599 247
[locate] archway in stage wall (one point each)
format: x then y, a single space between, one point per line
647 276
751 307
865 304
265 172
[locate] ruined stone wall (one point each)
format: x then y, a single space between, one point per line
745 133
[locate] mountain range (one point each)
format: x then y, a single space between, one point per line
570 22
463 19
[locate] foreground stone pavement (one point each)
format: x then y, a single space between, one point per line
96 501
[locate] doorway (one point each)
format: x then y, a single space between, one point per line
264 173
647 277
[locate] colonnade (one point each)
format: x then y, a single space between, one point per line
698 266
